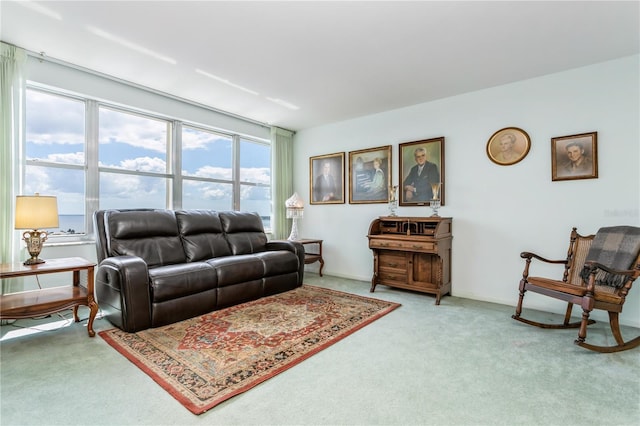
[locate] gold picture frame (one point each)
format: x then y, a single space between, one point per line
574 157
508 146
326 179
416 187
370 175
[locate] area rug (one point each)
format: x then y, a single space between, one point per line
206 360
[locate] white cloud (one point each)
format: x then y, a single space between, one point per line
71 158
255 175
132 130
145 164
195 139
214 172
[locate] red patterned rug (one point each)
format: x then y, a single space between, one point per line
206 360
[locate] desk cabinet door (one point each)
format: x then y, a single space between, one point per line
426 270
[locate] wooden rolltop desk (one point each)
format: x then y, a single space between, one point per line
413 253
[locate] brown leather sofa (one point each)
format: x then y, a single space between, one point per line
157 267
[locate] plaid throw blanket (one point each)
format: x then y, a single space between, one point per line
615 247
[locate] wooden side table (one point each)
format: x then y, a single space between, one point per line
46 301
315 255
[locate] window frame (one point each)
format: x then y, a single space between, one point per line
173 175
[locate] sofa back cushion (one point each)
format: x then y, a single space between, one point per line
244 232
151 235
201 233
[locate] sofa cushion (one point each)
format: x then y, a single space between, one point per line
150 235
278 262
237 269
201 233
245 232
174 281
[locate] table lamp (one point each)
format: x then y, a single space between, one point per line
33 212
295 211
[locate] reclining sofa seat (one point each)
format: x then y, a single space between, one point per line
157 267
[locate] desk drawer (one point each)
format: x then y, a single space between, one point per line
423 246
393 261
391 277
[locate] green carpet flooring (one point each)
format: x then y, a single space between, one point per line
461 363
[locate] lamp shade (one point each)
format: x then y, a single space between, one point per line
36 212
295 201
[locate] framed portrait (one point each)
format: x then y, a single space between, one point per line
421 172
370 175
326 179
508 146
574 157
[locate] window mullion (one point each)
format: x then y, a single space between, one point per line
92 178
236 172
175 163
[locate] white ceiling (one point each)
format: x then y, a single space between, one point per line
332 60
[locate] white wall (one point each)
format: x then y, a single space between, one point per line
498 211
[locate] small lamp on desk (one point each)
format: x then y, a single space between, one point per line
33 212
295 211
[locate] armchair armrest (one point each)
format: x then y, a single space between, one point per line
122 290
594 266
528 255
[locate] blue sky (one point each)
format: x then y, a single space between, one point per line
55 132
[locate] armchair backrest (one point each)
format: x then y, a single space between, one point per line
616 247
577 254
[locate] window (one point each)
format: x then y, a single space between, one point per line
207 170
93 155
132 158
56 156
255 178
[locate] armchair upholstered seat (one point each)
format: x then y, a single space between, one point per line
598 274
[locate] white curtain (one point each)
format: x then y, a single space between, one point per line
12 82
282 169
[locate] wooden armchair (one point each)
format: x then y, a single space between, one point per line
598 274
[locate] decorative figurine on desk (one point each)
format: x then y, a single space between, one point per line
435 201
393 200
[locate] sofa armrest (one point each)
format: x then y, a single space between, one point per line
123 293
293 246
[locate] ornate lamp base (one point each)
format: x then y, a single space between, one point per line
34 239
294 230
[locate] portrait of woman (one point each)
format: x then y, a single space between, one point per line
370 175
508 146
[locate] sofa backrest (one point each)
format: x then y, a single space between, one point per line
166 237
244 232
201 233
150 234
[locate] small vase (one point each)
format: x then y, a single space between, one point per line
435 205
393 205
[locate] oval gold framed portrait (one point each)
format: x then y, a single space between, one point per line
508 146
